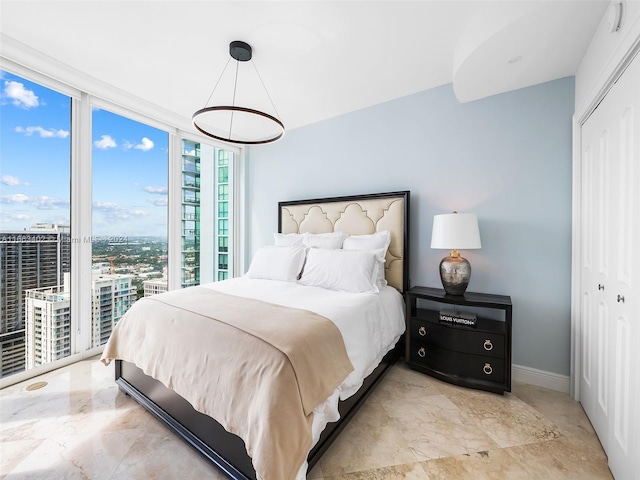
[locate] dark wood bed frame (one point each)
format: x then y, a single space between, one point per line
207 436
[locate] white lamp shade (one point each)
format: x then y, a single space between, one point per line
455 231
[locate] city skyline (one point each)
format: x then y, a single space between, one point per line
129 164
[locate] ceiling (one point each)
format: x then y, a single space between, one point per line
317 59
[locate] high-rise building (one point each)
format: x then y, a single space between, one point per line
48 315
111 296
29 259
190 213
48 324
206 200
222 218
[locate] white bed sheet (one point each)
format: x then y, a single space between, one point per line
370 324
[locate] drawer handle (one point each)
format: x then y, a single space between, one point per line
487 369
488 346
422 352
422 331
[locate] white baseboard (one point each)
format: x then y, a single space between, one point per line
540 378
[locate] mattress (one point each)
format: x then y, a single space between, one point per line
371 325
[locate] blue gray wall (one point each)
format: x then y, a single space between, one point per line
506 158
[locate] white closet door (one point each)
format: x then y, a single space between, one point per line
625 331
610 391
597 222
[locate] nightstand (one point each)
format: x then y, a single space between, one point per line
476 356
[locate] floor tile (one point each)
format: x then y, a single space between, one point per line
369 441
483 465
564 412
505 418
413 427
576 457
435 427
400 472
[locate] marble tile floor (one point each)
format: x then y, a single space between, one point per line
413 427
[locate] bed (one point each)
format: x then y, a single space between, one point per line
358 216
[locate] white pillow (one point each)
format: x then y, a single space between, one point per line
325 240
374 241
346 270
277 263
377 242
289 239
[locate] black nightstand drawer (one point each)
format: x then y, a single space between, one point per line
459 339
480 367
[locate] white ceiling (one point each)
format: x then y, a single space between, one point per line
317 59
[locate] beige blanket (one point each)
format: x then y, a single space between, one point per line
259 369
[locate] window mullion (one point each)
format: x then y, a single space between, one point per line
81 224
174 238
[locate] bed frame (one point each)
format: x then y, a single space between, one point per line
358 214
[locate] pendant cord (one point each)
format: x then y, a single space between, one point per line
233 102
265 88
216 85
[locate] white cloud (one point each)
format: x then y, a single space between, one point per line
105 142
41 202
12 217
47 203
159 202
43 132
156 190
11 180
15 198
114 212
20 96
145 145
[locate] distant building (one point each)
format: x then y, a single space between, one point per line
205 213
48 316
111 296
29 259
190 268
48 325
154 286
103 268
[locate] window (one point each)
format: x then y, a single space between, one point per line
35 258
57 301
223 244
130 198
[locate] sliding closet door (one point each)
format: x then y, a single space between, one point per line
610 278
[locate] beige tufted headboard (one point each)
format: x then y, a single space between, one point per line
357 215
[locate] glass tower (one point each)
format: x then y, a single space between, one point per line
206 213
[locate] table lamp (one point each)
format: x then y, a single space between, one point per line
455 231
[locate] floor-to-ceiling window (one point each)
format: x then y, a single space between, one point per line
35 261
129 216
84 209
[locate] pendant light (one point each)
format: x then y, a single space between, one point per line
234 123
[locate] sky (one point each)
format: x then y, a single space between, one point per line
129 169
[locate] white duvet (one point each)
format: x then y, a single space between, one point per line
370 324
